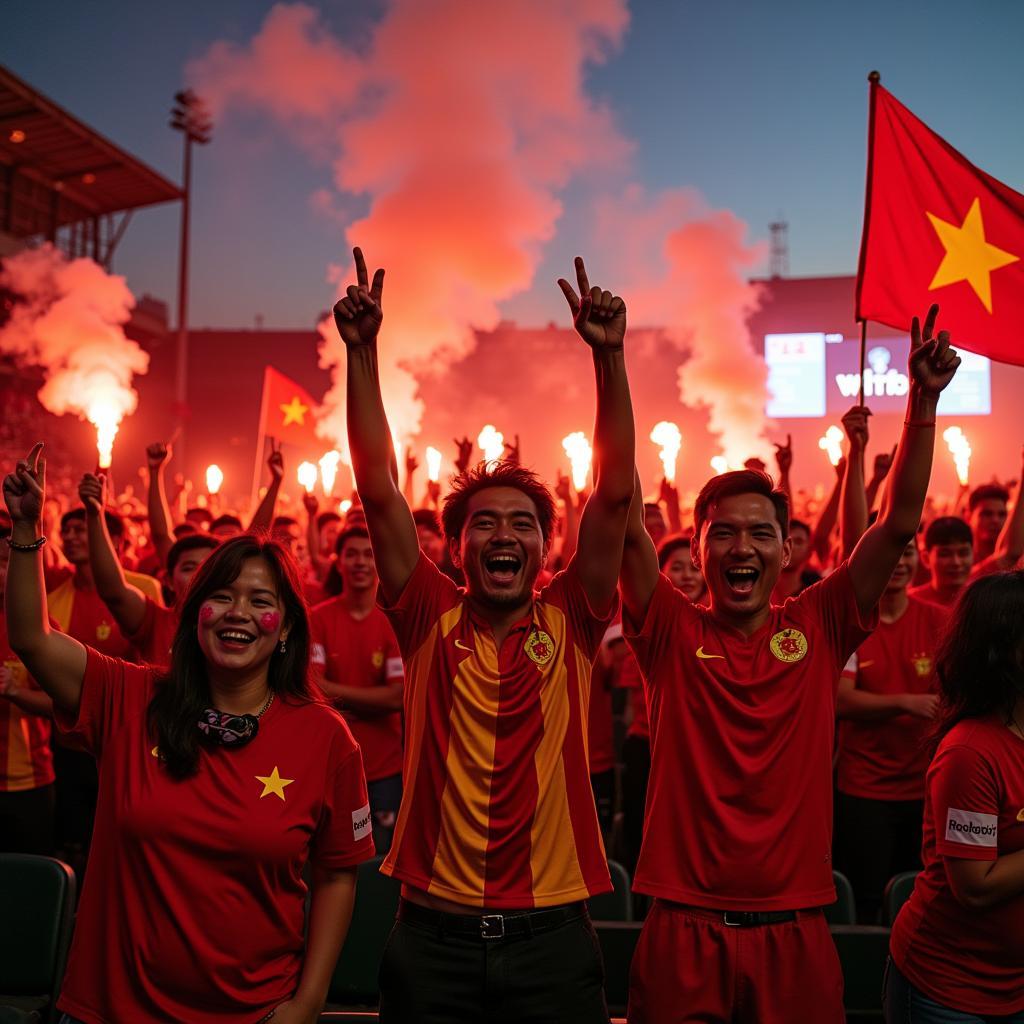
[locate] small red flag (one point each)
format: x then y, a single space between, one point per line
288 411
939 229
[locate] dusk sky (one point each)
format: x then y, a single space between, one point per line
759 107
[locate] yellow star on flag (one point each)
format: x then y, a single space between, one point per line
273 783
294 412
969 257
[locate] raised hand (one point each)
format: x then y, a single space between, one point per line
932 363
667 493
465 454
358 314
563 487
275 462
784 455
855 423
157 454
512 452
92 490
310 504
411 462
25 488
883 463
598 316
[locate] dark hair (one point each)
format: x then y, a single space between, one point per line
283 521
333 583
227 519
979 660
197 511
987 492
183 692
190 542
672 543
323 518
115 523
741 481
798 524
496 474
947 530
184 530
427 518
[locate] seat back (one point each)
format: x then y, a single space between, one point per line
844 910
37 897
618 941
616 905
355 975
863 951
897 892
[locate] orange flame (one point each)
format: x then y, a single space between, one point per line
433 465
329 470
667 436
491 442
832 443
577 447
106 418
214 479
307 476
960 449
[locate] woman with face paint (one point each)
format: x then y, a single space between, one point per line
220 779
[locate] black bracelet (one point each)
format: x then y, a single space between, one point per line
34 546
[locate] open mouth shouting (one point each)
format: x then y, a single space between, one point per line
741 579
502 567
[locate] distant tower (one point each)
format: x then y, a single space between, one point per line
779 251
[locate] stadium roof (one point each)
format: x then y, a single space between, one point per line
55 170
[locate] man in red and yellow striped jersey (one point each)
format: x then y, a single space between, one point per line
497 844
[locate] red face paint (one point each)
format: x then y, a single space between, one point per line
205 613
269 621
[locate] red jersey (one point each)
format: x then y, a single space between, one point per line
739 804
81 613
194 904
155 637
26 761
970 960
497 809
929 594
631 679
362 652
600 723
886 759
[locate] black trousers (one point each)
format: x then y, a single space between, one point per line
428 976
603 785
26 821
874 840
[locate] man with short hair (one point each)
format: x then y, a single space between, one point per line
355 649
796 576
497 844
741 697
987 510
949 556
226 526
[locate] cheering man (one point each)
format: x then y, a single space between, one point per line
742 699
497 843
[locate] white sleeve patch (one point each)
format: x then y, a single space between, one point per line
851 666
361 823
972 828
393 668
318 655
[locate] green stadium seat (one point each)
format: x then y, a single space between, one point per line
863 952
37 895
844 910
354 982
616 905
897 892
618 941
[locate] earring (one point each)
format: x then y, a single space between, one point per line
283 646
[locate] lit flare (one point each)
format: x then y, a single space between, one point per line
433 465
106 418
214 479
307 476
832 443
666 435
960 449
329 470
577 447
491 442
720 464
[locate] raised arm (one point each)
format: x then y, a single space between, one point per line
263 517
784 461
880 470
600 320
158 510
821 535
669 495
853 505
54 660
639 561
126 603
932 366
570 517
388 519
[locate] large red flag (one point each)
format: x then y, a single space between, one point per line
287 412
939 229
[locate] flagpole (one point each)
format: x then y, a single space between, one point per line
260 443
863 359
874 80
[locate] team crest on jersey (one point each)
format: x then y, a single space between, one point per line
103 631
539 647
922 664
789 645
377 659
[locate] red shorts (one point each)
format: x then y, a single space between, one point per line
691 966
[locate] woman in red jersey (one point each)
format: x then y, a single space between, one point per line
958 943
220 780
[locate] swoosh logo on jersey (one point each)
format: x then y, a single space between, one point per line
707 657
865 664
462 647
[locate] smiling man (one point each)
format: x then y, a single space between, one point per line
497 844
742 698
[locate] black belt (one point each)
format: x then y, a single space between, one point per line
488 927
735 918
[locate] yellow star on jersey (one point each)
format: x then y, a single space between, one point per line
273 783
969 257
294 412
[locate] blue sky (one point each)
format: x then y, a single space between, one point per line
760 106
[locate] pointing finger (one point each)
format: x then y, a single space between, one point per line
32 462
581 276
915 333
929 320
570 295
361 277
377 289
